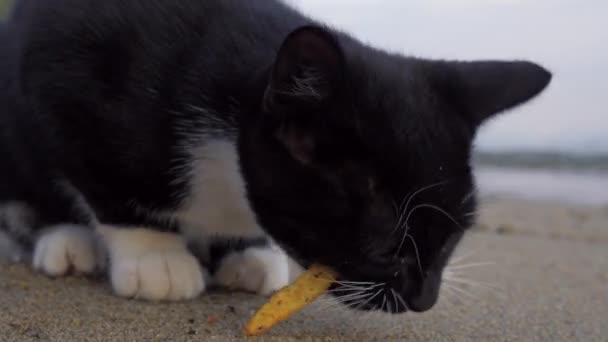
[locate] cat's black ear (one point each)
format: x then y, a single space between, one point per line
481 89
307 71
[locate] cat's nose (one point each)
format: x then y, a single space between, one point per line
428 293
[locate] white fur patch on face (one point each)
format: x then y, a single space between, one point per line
61 249
262 270
217 204
151 265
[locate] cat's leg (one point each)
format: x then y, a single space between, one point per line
152 265
56 250
17 221
260 269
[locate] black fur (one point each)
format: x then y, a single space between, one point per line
336 139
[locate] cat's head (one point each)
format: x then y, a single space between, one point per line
360 160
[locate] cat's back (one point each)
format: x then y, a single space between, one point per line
87 45
159 21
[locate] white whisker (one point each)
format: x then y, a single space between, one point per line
352 296
370 299
344 289
459 290
415 249
395 301
488 286
383 303
468 196
402 211
473 264
459 258
354 282
407 204
402 301
421 190
336 304
430 206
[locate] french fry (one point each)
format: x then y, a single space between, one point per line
291 299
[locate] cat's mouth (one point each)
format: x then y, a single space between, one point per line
388 288
397 294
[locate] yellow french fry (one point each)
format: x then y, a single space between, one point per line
291 299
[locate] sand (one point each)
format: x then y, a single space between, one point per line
548 282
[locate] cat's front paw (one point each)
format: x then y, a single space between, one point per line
151 265
64 248
262 270
158 276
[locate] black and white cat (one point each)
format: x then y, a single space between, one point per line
146 130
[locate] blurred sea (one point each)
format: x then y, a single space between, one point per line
570 179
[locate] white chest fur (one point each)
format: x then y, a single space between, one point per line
217 202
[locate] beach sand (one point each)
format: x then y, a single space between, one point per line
547 281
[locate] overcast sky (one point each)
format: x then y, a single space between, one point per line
569 37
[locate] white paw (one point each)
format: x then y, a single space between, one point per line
61 249
151 265
260 270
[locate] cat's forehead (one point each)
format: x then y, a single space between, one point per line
398 105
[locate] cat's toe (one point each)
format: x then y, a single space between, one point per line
64 248
186 276
124 277
260 270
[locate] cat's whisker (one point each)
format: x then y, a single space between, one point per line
426 205
352 296
415 251
447 294
495 289
431 206
371 298
394 293
389 306
345 282
395 323
456 259
468 196
460 290
396 207
402 301
451 267
411 197
325 304
395 300
346 289
348 299
400 213
471 213
336 303
421 190
349 283
355 305
359 296
383 303
336 308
